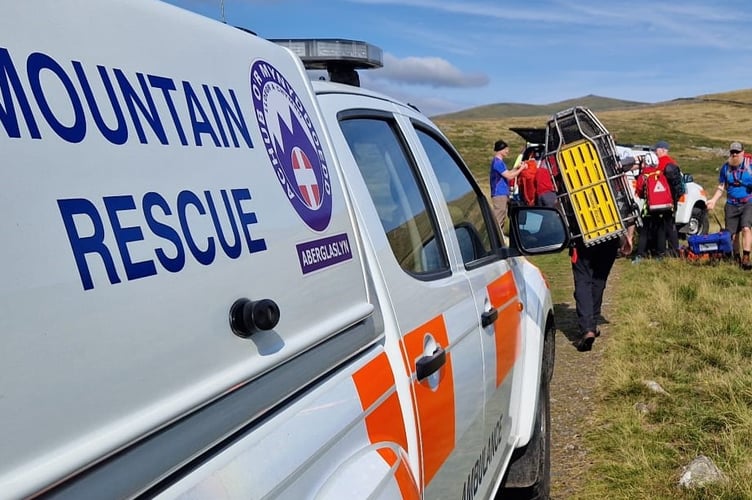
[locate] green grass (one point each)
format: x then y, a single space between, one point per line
687 326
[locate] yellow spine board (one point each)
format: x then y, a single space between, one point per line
589 191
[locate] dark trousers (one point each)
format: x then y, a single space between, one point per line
664 230
673 237
590 270
645 235
657 230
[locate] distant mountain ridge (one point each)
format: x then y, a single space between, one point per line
508 110
742 98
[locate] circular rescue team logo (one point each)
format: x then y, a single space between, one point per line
292 144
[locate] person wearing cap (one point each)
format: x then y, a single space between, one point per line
499 178
735 178
673 174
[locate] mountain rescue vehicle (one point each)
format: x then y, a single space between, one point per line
221 280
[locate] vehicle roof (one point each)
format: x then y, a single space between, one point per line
328 87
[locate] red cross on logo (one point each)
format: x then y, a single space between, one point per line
305 178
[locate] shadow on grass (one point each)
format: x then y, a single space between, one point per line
566 321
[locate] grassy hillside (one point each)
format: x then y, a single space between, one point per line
699 131
669 322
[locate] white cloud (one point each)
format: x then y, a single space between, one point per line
429 71
429 103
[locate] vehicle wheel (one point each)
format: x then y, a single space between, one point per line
541 489
549 349
533 465
698 221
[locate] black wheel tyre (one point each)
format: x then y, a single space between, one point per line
538 451
698 222
549 350
542 489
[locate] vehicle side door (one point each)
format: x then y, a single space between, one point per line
497 301
430 296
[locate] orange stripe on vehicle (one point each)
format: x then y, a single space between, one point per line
435 406
406 482
373 380
503 295
385 422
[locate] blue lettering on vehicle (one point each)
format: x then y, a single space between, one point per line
88 230
71 98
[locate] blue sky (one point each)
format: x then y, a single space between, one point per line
449 55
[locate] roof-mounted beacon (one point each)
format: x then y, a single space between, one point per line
341 58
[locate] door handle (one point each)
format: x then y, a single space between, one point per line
489 317
427 365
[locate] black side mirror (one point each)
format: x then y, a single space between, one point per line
538 230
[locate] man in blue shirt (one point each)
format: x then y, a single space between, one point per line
499 178
736 179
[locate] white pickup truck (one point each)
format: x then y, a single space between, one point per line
220 280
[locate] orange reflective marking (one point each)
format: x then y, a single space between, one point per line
405 480
385 423
373 380
503 294
435 406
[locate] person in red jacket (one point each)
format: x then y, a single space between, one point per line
526 179
658 217
545 190
671 170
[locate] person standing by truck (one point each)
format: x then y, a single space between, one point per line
736 179
499 177
658 218
545 189
668 166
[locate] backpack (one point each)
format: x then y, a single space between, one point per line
527 182
676 180
658 195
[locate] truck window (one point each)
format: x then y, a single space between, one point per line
397 193
466 204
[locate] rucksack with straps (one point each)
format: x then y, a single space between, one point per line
675 180
658 196
734 176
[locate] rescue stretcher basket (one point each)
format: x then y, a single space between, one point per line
591 187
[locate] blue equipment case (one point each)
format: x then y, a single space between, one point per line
714 243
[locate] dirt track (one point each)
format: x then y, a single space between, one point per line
572 400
